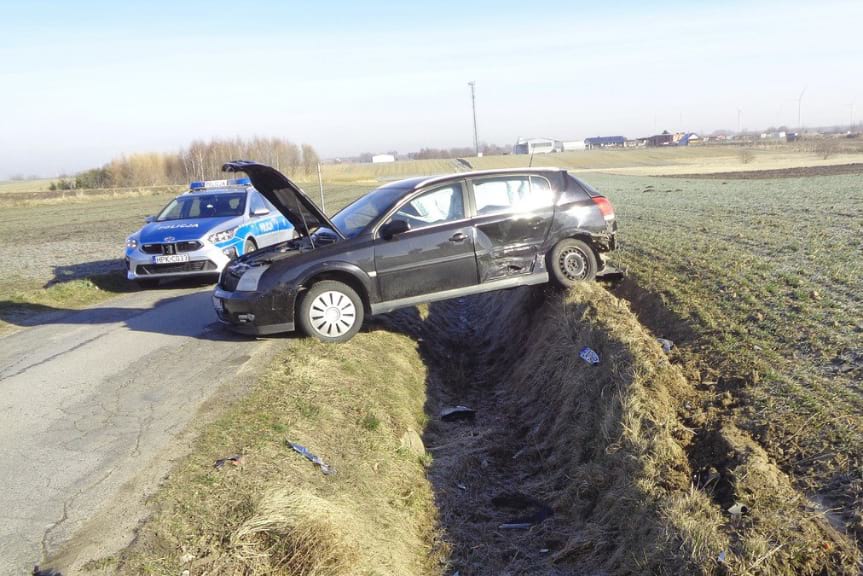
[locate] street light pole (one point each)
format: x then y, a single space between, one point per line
472 85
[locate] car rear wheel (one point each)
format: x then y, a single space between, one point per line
249 246
572 261
331 312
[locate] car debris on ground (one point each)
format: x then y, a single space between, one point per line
316 460
666 344
738 509
453 413
590 356
535 510
236 460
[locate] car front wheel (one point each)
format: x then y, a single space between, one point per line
331 312
572 261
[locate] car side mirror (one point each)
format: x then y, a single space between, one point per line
148 219
260 212
394 228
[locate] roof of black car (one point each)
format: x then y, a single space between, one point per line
420 181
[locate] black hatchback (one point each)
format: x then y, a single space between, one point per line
413 241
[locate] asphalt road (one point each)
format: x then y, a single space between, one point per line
95 405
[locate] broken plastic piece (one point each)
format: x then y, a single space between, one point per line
738 509
311 458
721 558
666 344
457 413
462 487
46 572
589 356
236 460
515 526
536 510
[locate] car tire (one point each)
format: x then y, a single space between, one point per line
331 312
146 283
249 246
572 261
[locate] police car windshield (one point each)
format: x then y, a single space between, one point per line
204 206
356 216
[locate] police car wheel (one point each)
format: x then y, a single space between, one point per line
147 282
331 312
249 246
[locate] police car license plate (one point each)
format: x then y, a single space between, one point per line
171 259
217 304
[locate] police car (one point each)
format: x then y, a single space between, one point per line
200 231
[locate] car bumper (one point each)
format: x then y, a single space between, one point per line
209 260
255 313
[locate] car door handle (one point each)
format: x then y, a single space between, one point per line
458 237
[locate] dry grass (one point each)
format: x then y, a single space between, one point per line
278 514
609 448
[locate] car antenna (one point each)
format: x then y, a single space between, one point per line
303 217
530 164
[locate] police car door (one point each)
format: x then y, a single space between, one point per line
266 225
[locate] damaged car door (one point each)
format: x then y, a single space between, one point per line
513 216
426 245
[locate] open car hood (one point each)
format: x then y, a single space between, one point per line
286 196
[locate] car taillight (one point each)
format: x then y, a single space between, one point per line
604 206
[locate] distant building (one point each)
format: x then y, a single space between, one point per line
669 139
604 142
382 158
537 146
570 145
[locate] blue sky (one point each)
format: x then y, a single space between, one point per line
83 82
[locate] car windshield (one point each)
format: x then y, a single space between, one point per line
354 218
204 206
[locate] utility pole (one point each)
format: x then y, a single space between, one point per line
321 186
799 108
472 85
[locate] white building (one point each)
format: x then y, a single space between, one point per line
381 158
537 146
574 145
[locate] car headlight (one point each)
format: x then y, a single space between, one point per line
222 236
249 280
131 242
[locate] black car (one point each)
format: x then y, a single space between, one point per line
413 241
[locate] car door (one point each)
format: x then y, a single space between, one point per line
513 216
264 220
435 254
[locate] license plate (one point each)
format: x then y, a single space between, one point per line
171 259
217 304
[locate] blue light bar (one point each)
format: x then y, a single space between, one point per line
204 184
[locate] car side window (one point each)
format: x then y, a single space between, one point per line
541 194
512 193
444 204
257 203
500 194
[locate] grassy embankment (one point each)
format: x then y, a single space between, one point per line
758 283
603 447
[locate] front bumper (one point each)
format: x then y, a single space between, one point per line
255 313
208 260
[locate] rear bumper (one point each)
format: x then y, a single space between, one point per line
255 313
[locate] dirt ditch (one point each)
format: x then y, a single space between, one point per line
531 460
567 468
